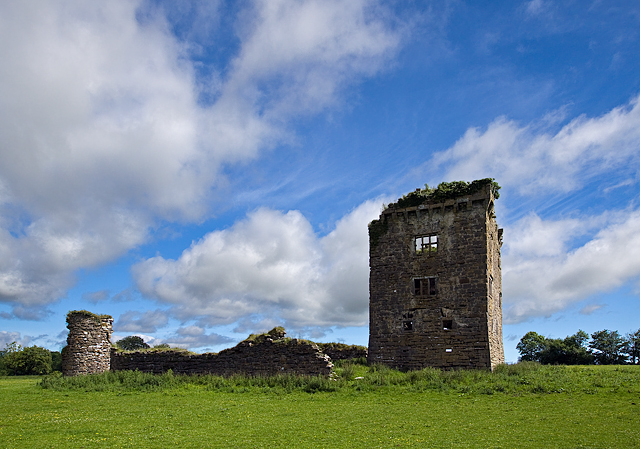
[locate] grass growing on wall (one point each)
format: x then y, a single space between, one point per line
518 406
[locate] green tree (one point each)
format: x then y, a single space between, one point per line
10 348
632 346
22 361
132 343
56 361
569 351
608 347
531 346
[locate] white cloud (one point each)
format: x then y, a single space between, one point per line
307 50
541 281
7 338
270 265
101 134
589 309
147 322
547 265
195 337
531 160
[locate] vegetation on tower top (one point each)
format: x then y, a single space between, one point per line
445 191
87 314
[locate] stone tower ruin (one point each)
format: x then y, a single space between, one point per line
88 349
435 280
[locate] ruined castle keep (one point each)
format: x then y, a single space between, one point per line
435 280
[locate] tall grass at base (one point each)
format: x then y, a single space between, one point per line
521 378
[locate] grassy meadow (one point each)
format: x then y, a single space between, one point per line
517 406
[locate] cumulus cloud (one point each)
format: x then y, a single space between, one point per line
532 160
146 322
102 134
542 274
9 337
270 265
196 337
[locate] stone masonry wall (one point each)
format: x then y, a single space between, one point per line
260 358
440 306
339 351
88 349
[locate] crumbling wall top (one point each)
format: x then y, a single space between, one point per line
486 187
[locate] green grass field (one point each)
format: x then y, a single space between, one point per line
515 407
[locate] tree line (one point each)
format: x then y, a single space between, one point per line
33 360
603 347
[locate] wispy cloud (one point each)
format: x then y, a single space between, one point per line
534 161
96 297
589 309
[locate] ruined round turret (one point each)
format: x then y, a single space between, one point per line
88 349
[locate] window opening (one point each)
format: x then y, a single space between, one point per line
407 325
447 324
424 286
426 244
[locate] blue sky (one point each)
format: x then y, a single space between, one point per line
203 170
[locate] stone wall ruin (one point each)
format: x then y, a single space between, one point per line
89 351
266 355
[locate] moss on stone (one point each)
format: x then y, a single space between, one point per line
340 346
377 228
153 350
85 313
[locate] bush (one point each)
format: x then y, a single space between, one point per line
17 361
